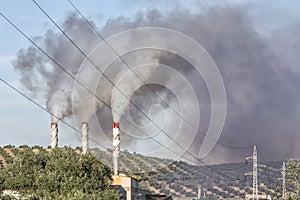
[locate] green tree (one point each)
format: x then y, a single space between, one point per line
293 178
60 174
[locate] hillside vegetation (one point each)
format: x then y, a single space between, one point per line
183 179
179 178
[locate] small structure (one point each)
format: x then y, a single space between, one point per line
120 190
129 184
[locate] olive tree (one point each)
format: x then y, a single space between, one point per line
58 174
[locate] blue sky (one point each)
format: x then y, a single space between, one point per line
24 123
21 121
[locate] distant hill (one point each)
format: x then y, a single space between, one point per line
183 179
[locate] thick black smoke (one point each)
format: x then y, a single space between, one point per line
260 74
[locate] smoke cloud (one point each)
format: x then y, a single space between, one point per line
260 74
46 80
127 84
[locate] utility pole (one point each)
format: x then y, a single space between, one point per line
283 181
254 173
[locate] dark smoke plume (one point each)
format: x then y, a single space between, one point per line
260 74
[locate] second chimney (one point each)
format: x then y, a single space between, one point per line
85 137
54 135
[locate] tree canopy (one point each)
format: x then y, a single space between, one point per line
293 178
58 174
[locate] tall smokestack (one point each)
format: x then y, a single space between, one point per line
85 137
116 147
54 135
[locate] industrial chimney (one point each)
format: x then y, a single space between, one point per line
116 147
54 135
85 137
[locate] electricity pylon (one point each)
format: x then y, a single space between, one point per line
254 173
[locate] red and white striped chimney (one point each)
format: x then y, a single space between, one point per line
54 135
116 147
85 137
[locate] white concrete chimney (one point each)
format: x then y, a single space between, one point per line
54 135
85 137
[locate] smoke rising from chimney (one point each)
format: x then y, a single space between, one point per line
40 75
126 86
259 75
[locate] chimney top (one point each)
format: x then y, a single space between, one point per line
115 125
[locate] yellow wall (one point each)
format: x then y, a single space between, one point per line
125 182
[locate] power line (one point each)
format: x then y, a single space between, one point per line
64 33
62 68
83 86
178 144
63 121
155 94
52 59
262 157
41 107
44 109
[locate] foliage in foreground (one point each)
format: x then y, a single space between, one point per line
293 179
59 174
